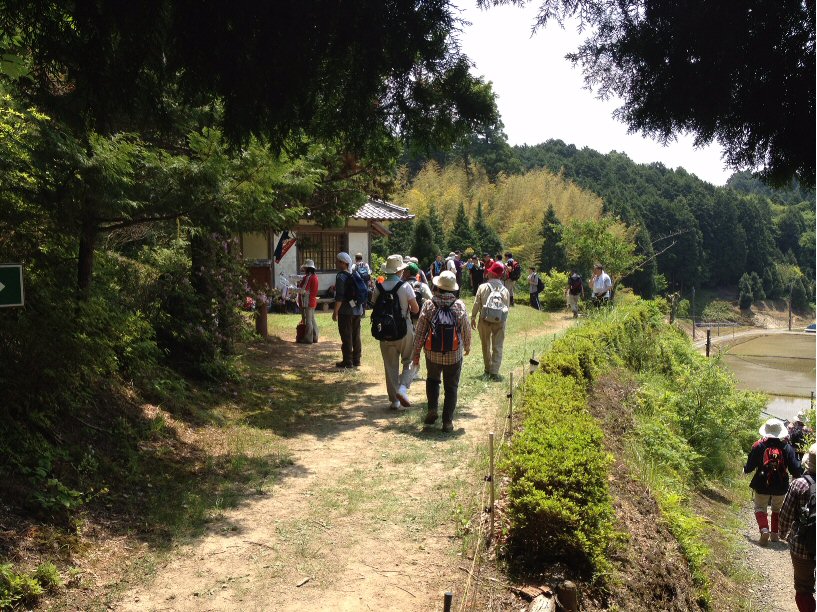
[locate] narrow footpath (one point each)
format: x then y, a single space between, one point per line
369 514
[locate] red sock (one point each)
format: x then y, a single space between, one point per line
762 520
805 602
775 522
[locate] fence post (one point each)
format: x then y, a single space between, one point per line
568 596
491 483
449 596
510 403
812 400
708 340
261 319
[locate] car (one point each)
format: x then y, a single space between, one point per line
811 328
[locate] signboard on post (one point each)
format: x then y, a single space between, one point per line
11 285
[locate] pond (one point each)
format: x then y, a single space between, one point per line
781 365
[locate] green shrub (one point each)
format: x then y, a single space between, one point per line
17 589
553 296
719 310
48 575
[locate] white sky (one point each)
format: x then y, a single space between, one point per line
542 96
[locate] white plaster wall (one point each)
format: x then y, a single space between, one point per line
359 243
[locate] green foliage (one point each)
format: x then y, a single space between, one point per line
560 506
718 310
757 287
423 246
606 241
436 225
800 298
486 237
745 295
17 589
402 237
48 575
553 251
553 297
461 237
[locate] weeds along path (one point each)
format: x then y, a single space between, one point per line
369 512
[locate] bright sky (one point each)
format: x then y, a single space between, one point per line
542 96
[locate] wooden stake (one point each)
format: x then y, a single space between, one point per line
510 402
708 340
491 482
449 596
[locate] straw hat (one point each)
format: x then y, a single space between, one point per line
773 428
447 281
394 264
308 264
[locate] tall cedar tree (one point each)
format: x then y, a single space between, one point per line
753 92
745 295
553 251
424 248
487 239
437 231
402 236
461 236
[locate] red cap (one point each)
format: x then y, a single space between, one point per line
496 268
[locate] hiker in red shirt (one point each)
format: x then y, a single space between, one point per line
771 458
308 301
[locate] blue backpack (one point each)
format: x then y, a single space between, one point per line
357 290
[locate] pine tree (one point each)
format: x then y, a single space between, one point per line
423 247
486 238
745 292
402 235
461 237
553 252
437 231
757 287
800 299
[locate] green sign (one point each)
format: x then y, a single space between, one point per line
11 285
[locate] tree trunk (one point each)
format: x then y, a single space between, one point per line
85 266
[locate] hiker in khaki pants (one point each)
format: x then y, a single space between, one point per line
491 334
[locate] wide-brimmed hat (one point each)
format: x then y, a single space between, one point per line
801 417
308 264
447 281
773 428
452 254
394 264
344 257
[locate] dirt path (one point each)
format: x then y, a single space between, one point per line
365 518
774 591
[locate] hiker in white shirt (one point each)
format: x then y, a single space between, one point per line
601 284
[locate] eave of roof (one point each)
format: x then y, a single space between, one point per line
380 210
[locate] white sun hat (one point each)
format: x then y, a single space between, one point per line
394 264
447 281
774 428
308 264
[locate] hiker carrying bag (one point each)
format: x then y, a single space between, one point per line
357 291
575 285
540 285
515 272
494 309
363 271
444 335
774 466
804 527
421 299
388 322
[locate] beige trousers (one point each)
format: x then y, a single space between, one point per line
395 353
311 323
762 502
492 336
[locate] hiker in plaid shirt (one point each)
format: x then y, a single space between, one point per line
802 554
447 364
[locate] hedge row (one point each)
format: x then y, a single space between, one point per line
560 504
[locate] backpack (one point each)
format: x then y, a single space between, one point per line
575 285
363 271
516 271
494 309
388 322
418 295
804 526
357 291
774 465
540 285
443 336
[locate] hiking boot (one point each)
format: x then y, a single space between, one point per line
343 364
431 417
402 396
774 536
448 426
356 365
764 536
395 405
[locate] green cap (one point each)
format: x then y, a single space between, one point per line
413 268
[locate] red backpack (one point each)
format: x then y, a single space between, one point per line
774 465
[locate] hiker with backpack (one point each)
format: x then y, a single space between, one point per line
798 432
422 293
365 272
797 527
513 272
574 291
489 315
394 303
351 294
536 286
444 335
772 459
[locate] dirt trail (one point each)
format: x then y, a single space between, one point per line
362 520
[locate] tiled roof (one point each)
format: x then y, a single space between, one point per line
379 210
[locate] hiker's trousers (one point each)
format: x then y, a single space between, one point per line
510 285
349 329
311 333
449 375
803 574
762 501
396 353
492 336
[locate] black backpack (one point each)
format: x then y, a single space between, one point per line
540 285
418 295
575 284
388 322
443 336
516 271
804 526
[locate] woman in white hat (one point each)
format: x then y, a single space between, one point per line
308 301
772 459
444 334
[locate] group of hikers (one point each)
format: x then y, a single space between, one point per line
772 458
418 311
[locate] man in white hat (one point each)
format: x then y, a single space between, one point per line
772 459
347 313
308 300
795 515
444 335
395 298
